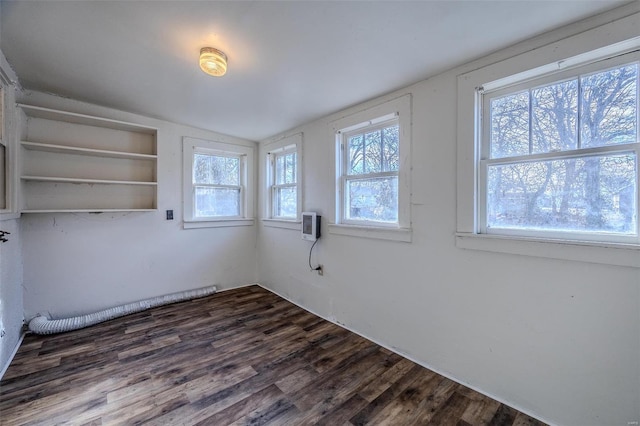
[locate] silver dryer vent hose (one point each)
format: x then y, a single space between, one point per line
44 325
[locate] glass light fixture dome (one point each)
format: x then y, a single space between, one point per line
213 61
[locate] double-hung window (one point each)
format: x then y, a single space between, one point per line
559 154
283 174
373 156
217 183
284 183
370 165
284 191
8 139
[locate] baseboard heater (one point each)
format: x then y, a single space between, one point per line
43 325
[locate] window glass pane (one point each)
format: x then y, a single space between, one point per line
356 155
510 125
372 199
290 174
554 113
286 202
373 152
390 152
609 107
286 169
280 169
592 194
216 170
211 202
232 176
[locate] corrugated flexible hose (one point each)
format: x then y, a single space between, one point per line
44 325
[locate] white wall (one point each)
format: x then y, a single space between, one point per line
80 263
557 339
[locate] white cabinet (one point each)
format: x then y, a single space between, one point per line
79 163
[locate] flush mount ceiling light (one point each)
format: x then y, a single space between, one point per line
213 61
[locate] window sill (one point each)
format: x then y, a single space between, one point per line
391 234
222 223
582 251
282 223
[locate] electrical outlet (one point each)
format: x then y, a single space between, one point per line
169 214
320 270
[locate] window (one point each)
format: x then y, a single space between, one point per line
283 200
370 166
215 183
547 151
10 136
284 191
373 171
559 155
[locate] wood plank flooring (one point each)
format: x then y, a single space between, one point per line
240 357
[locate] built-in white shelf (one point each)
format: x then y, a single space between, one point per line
88 210
79 163
91 181
88 120
61 149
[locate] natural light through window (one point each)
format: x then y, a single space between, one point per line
285 189
371 173
283 196
216 180
560 155
217 184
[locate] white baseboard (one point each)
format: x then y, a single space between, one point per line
421 363
13 354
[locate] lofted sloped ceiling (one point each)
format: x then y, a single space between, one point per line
289 62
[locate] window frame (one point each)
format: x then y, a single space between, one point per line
240 187
610 39
377 124
281 146
485 160
193 146
11 132
395 109
275 201
276 146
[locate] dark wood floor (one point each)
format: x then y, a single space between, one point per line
239 357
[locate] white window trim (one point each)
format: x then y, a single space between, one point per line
485 161
9 123
400 107
292 143
605 41
193 145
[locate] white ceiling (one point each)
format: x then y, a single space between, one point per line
289 62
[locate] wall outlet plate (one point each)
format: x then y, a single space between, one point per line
169 214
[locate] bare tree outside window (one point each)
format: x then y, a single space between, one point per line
216 180
285 188
372 174
562 156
